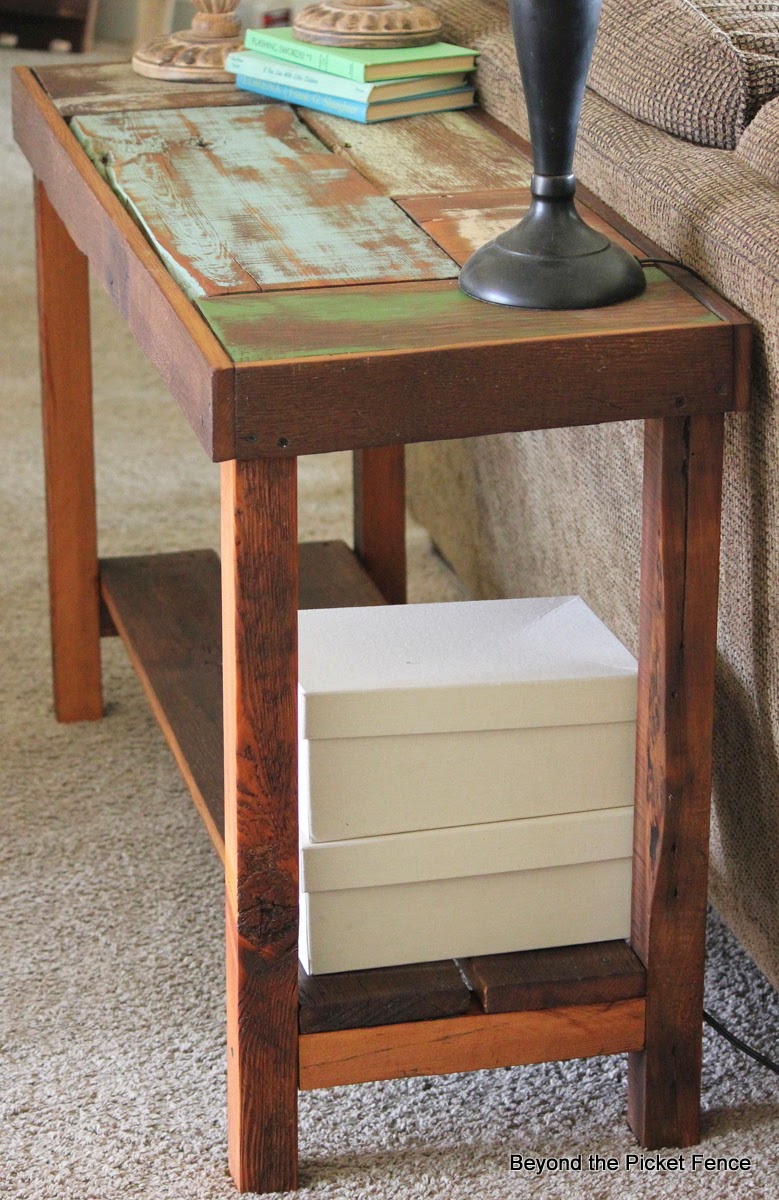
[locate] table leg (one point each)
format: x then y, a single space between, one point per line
677 657
380 518
259 604
66 381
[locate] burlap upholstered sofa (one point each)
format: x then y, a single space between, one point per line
680 134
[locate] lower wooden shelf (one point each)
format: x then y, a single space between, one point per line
428 1018
167 610
473 1042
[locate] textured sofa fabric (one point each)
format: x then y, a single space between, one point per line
559 511
698 69
759 146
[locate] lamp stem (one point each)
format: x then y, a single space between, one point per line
554 43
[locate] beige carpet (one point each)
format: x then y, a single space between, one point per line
111 1040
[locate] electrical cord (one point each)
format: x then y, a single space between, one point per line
669 262
763 1059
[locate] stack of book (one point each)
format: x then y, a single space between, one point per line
363 85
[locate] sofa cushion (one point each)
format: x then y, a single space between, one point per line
759 145
699 69
463 21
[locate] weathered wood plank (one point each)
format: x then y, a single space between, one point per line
440 152
374 320
379 480
414 362
259 666
677 658
71 518
385 996
598 973
471 391
116 87
240 199
167 609
460 223
165 324
473 1042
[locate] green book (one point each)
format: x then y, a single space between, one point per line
276 72
361 65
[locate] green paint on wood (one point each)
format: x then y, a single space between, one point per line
360 320
240 200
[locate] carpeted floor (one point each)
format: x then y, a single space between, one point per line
112 1044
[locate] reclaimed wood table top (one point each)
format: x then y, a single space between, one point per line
311 301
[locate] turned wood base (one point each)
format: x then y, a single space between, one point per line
368 24
189 55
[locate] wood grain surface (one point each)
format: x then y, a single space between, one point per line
414 362
439 152
475 1041
677 655
71 518
260 679
237 200
380 518
116 87
412 317
462 222
167 609
387 995
166 326
598 973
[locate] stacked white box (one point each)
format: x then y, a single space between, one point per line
466 780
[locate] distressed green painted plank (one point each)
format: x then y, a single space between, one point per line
237 200
360 320
441 152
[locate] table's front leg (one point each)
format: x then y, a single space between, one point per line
66 385
259 604
677 658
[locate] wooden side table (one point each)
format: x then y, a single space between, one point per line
275 350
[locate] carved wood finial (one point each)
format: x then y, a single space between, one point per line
195 55
368 24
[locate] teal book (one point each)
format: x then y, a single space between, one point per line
364 66
253 65
356 110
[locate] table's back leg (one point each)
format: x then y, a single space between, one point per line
677 657
380 518
259 605
66 379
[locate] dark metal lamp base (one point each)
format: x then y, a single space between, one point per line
551 259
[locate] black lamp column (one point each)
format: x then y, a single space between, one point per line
552 259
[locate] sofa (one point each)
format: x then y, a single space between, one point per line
680 135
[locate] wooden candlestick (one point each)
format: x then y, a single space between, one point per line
196 55
368 24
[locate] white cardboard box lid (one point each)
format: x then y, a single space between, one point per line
466 850
471 665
